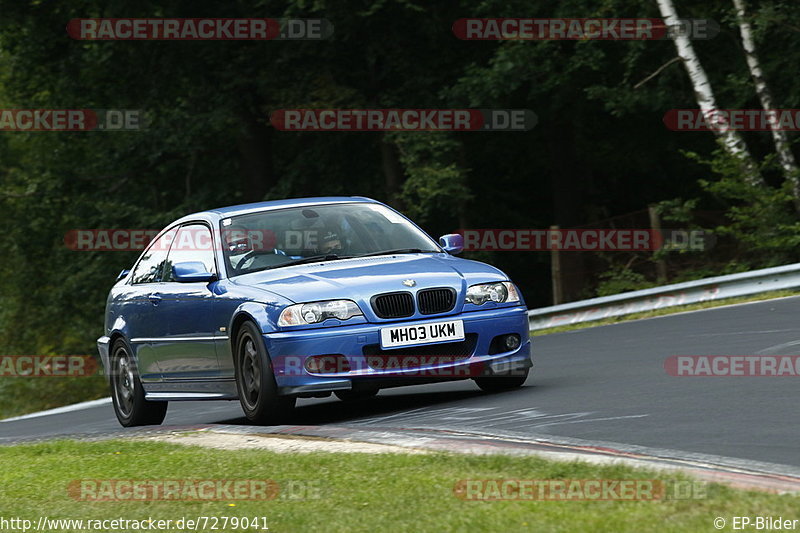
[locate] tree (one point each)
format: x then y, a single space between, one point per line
731 141
779 137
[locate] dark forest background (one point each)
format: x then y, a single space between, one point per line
598 157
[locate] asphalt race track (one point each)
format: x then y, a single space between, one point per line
603 384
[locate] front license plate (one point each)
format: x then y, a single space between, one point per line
422 334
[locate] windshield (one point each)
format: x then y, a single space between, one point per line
272 239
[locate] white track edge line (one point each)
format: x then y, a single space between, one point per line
59 410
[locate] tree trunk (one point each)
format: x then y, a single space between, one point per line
779 137
731 141
569 184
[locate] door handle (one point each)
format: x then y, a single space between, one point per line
154 298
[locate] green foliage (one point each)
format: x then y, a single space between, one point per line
761 219
677 210
434 179
621 279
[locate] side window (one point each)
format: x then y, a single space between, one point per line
151 265
192 243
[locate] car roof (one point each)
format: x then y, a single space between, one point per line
243 209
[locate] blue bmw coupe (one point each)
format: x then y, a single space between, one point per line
269 302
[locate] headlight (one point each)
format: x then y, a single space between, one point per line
496 292
316 312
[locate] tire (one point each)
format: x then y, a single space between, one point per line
255 381
501 383
127 393
355 395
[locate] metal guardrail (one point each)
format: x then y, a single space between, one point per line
703 290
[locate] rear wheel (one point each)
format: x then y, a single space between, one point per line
127 392
355 395
502 382
255 381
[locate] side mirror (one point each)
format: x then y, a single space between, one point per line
453 243
123 274
191 271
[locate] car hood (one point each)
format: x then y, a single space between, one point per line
359 279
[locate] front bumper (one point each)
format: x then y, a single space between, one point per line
289 350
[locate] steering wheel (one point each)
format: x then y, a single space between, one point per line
246 258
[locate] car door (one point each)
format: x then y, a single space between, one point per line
142 309
188 350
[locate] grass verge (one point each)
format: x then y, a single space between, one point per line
667 311
19 396
358 492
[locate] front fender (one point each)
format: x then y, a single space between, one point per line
119 328
258 313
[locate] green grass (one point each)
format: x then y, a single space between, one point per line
19 396
360 492
667 311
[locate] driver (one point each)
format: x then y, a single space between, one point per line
238 240
330 243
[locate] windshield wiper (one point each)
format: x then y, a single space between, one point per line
311 259
400 251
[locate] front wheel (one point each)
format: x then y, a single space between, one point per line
500 382
255 380
127 393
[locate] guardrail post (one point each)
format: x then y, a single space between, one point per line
655 225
